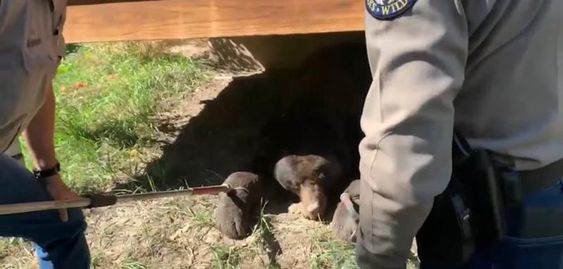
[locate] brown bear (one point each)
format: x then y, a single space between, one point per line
346 217
310 177
234 214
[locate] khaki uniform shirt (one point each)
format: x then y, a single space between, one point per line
31 45
494 68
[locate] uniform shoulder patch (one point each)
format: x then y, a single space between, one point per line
388 9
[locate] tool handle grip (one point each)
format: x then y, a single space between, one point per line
101 200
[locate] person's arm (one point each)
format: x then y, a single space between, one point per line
39 137
418 66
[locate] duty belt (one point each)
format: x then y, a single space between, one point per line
522 184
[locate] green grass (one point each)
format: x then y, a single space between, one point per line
202 217
331 253
134 265
267 240
108 97
264 225
226 257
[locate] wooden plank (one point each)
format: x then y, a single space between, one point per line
179 19
96 2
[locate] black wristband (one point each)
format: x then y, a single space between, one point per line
45 173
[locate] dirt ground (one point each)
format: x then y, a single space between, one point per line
243 119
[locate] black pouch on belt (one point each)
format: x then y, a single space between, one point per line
467 214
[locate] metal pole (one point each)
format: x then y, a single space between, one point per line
165 194
106 200
9 209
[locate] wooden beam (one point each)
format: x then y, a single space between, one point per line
180 19
96 2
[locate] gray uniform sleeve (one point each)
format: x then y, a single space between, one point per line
418 65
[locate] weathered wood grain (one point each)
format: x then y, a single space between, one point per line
179 19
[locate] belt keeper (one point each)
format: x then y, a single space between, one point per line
512 189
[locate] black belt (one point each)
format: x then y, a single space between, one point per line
534 222
533 181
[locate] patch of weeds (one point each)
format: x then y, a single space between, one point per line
331 253
11 245
5 247
96 261
264 225
108 99
267 240
20 263
226 257
134 265
151 240
15 253
153 178
202 216
274 266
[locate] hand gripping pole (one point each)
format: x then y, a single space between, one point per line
103 200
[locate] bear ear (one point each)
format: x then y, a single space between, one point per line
354 189
328 170
242 179
285 174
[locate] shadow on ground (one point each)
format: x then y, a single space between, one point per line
255 120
